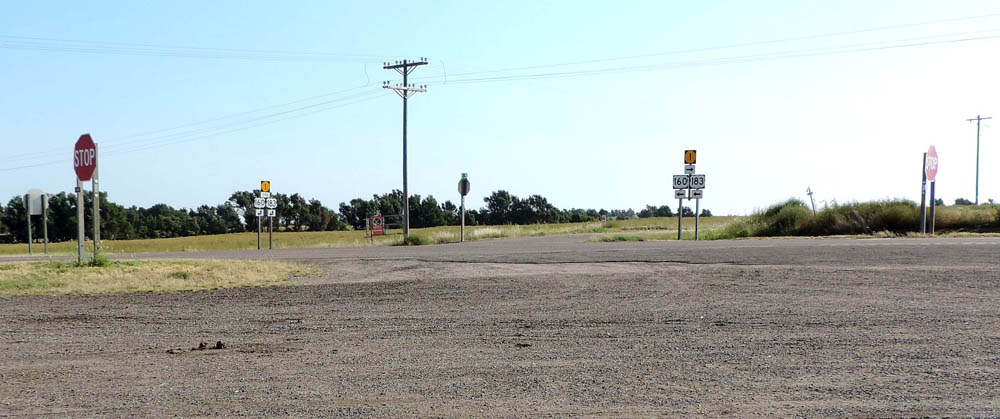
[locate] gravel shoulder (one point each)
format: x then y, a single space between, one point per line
551 326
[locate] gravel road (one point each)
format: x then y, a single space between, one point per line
548 326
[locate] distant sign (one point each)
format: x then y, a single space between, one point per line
931 165
378 225
680 193
265 194
464 185
271 213
697 193
272 203
259 202
689 169
265 186
260 212
690 156
682 181
84 157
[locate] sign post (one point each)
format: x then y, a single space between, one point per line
27 207
272 204
923 195
689 186
85 164
930 171
463 189
97 206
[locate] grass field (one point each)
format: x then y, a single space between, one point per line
433 235
57 278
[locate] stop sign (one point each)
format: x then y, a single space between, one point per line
84 157
931 164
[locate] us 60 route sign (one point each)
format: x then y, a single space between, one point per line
682 181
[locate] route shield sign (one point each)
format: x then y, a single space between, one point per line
690 156
682 181
259 202
272 203
931 166
697 181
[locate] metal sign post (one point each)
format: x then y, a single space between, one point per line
811 199
930 175
27 208
689 186
923 195
79 224
45 223
97 206
933 205
463 189
271 204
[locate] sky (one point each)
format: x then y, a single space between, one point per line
590 104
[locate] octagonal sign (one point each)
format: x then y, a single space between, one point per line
931 165
85 157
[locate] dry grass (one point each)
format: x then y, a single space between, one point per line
325 239
55 278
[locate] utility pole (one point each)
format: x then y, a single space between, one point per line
979 119
404 91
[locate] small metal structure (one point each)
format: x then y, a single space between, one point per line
689 186
463 189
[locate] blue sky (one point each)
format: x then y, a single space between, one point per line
848 115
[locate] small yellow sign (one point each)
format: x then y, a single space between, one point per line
265 186
690 156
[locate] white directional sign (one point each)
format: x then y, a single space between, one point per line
265 194
260 212
682 181
697 193
689 169
259 202
270 213
697 181
680 193
272 203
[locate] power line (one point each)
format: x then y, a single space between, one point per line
979 119
719 61
718 47
30 43
404 91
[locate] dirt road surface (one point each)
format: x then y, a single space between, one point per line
549 326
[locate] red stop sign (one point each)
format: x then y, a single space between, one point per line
931 164
84 157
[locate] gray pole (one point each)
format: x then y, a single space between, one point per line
923 196
27 210
45 222
406 192
97 207
258 232
270 226
680 215
932 207
979 119
79 223
697 205
463 218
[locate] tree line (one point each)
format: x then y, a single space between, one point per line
293 213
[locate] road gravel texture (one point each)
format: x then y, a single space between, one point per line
548 326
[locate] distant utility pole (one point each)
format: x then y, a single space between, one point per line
404 91
979 119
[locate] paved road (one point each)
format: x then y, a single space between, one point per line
554 326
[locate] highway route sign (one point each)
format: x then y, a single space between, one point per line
697 181
697 193
680 193
265 186
259 202
682 181
690 156
260 212
272 203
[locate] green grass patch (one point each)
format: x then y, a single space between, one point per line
161 276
